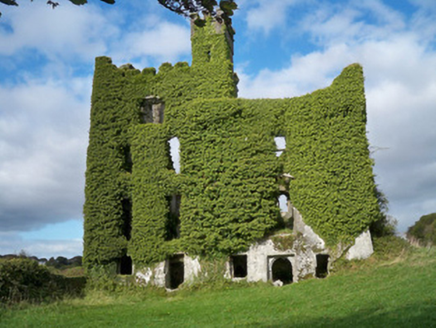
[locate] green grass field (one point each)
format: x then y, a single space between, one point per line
398 292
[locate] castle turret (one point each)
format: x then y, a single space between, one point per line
213 40
212 53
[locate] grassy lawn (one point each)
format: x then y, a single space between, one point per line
399 292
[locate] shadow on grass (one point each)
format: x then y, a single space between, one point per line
421 314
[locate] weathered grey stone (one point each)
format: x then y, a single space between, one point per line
362 247
192 268
311 239
278 283
159 275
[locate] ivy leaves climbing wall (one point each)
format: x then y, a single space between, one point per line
229 180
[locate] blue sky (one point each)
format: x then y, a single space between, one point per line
283 48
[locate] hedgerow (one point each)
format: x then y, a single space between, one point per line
23 279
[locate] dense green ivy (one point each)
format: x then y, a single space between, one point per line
229 170
153 182
116 97
327 152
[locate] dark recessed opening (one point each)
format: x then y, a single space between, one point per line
322 263
239 264
152 110
282 270
173 222
176 271
127 217
126 265
128 163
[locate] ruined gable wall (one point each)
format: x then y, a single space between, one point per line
328 154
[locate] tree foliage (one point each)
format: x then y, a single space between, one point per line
181 7
424 230
187 7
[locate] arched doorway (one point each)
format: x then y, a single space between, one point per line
282 270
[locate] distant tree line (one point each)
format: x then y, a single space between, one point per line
424 230
59 262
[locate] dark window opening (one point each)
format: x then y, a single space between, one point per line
128 163
282 270
239 266
176 271
125 265
322 263
127 218
152 110
173 223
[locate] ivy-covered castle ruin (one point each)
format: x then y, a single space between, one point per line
162 221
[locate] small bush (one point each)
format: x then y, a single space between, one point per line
23 279
424 230
104 278
389 247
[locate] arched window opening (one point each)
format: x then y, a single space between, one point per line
175 153
282 270
322 263
280 145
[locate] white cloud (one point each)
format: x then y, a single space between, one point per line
267 14
72 33
165 41
67 32
304 74
353 23
11 243
44 138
